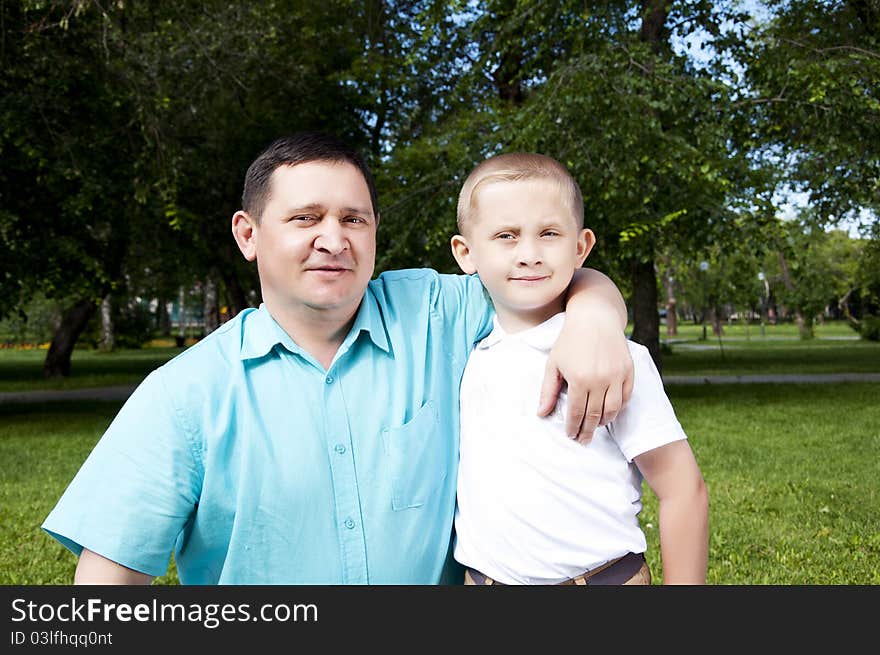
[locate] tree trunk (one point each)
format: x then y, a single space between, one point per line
805 330
73 322
646 319
180 339
235 295
108 336
715 319
653 28
212 309
163 319
671 318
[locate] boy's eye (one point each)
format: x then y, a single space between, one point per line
550 233
505 235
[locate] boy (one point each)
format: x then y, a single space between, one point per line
533 505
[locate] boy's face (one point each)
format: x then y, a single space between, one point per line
525 243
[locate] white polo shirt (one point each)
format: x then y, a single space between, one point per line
533 505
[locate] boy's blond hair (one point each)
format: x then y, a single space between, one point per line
514 167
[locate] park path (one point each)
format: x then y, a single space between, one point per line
120 393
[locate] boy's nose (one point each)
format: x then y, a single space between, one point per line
528 254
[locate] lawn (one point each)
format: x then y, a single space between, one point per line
22 369
837 349
747 358
791 471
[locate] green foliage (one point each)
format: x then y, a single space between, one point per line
812 269
133 326
869 328
34 323
127 128
812 75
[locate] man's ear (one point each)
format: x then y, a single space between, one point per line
586 241
244 230
462 253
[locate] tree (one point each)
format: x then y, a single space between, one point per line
70 154
137 119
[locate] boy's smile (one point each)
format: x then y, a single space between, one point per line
524 242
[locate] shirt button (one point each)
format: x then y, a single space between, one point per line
329 379
339 448
349 523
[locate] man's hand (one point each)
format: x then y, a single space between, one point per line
590 356
598 369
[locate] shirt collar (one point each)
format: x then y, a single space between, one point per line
541 337
261 332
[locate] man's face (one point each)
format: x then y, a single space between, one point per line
525 244
315 244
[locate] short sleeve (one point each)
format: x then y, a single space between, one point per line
463 298
138 488
648 420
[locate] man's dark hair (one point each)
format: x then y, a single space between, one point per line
299 148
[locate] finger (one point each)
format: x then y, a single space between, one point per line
613 403
628 382
578 397
550 388
592 415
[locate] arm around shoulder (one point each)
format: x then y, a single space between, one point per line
591 356
96 569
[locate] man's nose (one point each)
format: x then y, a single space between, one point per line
331 238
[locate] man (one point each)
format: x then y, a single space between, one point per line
314 440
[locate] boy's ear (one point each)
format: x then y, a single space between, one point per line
245 233
586 241
462 253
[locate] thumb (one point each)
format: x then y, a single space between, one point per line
550 388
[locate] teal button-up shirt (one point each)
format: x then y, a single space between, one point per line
254 465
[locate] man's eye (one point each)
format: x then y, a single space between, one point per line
354 219
306 218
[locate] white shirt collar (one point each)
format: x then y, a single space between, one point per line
541 337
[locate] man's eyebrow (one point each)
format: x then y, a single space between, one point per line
357 210
318 207
313 206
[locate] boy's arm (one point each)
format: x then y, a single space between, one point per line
591 356
673 475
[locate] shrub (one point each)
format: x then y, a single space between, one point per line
869 328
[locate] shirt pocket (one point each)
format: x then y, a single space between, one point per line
418 459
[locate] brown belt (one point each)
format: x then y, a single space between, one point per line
615 572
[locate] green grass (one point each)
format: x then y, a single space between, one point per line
742 358
781 351
42 446
22 369
829 329
792 478
791 471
